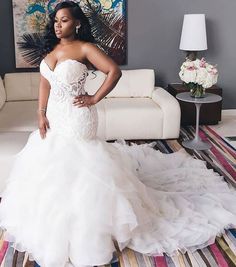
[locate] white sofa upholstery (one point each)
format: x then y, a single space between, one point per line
134 109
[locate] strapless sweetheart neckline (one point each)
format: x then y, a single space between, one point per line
64 61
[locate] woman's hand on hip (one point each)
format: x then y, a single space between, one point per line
43 125
84 100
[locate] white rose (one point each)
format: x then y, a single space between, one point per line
208 81
207 84
212 76
189 64
188 72
190 76
197 63
201 76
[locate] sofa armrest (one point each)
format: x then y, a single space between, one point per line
171 112
2 93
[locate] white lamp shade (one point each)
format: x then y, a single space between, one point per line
193 37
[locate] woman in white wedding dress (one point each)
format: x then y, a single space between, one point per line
71 197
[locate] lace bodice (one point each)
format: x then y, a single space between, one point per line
67 81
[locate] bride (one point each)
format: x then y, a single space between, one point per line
73 199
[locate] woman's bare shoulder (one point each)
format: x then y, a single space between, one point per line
87 45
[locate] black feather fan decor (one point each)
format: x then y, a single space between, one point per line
31 47
109 31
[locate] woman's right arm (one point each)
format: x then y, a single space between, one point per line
44 90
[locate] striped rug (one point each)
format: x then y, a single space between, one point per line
222 158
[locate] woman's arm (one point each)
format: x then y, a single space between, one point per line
44 90
105 64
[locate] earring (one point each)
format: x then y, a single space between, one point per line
77 29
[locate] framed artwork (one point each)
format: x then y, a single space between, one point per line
108 19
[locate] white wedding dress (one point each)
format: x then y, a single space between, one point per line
73 196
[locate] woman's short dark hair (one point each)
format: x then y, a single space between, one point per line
84 33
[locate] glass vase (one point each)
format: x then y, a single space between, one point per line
197 92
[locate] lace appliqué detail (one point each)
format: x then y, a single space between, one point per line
61 91
64 118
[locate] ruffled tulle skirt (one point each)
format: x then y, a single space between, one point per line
73 199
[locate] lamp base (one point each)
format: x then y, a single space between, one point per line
192 55
196 144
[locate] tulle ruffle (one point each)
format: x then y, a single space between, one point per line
74 199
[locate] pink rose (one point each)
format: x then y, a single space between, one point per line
191 68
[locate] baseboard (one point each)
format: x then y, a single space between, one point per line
230 112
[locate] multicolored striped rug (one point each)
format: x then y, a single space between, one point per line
222 253
222 158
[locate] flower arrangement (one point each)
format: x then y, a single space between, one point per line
197 75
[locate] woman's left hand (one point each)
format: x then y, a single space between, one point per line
84 100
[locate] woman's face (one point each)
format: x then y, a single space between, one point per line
64 24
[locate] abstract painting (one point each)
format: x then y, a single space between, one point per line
108 19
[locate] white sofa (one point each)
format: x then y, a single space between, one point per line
134 109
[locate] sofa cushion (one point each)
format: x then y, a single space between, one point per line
101 120
115 112
133 83
19 116
141 118
2 94
22 86
22 116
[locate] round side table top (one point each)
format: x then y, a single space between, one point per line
208 98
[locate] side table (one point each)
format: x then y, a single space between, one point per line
197 142
210 113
